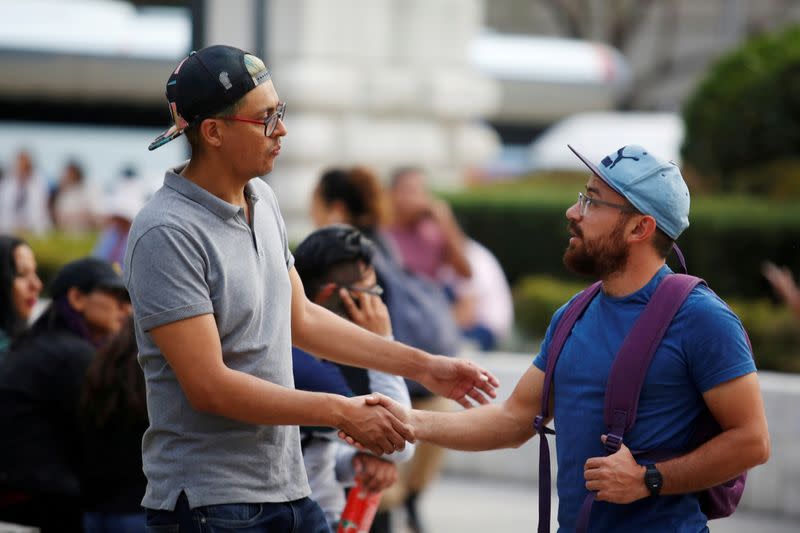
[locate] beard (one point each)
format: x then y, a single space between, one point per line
598 258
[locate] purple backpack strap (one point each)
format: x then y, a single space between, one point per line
633 359
562 331
631 363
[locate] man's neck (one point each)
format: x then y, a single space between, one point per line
636 273
217 178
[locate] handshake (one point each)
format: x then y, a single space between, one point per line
377 423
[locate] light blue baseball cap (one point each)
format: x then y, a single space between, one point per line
654 187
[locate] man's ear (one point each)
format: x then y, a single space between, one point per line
643 230
210 132
76 299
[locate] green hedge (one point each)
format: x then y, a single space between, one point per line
55 249
773 331
727 241
745 115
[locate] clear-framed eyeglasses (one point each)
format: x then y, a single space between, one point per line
584 202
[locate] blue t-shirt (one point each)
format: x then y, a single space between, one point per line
703 347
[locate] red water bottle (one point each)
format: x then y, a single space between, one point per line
359 512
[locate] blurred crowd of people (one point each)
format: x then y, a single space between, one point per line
31 204
71 387
71 398
73 392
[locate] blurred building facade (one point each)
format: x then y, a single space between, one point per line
669 43
378 82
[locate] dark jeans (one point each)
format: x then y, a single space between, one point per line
299 516
94 522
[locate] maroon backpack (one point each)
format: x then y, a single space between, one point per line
622 395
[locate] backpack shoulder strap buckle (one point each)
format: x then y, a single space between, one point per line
613 443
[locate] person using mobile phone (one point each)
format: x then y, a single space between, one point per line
335 265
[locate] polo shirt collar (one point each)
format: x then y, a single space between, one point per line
194 192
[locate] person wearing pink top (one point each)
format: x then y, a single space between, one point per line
424 230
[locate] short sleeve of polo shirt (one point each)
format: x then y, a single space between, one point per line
167 280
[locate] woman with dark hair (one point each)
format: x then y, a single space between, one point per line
19 288
40 384
113 414
350 196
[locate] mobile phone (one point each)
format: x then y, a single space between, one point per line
335 304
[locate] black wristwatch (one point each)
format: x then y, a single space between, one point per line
653 480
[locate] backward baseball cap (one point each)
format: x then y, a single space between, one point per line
655 187
207 81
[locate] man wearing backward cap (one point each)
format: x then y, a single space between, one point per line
218 304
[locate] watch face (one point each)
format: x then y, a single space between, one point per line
653 479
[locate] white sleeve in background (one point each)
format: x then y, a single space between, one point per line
395 388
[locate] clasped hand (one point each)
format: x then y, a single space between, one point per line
616 478
383 404
374 427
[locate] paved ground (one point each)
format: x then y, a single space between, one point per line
466 506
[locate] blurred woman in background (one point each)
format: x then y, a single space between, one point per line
19 288
41 379
113 414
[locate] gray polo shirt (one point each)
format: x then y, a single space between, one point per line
191 253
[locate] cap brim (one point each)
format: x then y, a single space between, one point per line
172 133
112 283
116 285
594 169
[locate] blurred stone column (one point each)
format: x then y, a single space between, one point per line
376 82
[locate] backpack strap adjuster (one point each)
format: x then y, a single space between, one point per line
613 443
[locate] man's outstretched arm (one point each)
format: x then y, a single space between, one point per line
192 348
320 332
488 427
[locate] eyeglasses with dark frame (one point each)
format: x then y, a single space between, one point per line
585 201
330 288
375 290
270 123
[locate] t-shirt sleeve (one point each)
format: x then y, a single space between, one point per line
716 344
166 278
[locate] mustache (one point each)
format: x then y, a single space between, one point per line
574 229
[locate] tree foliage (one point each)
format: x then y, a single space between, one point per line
744 117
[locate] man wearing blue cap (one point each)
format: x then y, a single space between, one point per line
621 229
218 304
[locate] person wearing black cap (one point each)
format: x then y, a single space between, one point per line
217 307
40 384
621 230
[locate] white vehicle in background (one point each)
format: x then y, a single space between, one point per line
544 79
598 134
